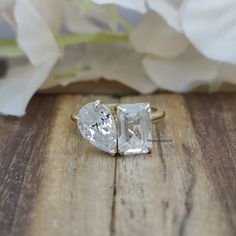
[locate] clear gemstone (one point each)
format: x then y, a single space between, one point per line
97 125
135 128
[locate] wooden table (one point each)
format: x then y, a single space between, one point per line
53 183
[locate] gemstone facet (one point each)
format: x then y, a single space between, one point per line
134 128
97 125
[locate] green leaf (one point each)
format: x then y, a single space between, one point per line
65 40
71 72
9 48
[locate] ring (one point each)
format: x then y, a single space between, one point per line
118 128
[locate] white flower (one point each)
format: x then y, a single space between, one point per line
173 63
20 84
169 57
168 9
183 73
209 25
178 45
102 61
155 37
23 81
37 24
77 23
86 17
5 3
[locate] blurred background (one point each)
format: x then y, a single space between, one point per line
114 47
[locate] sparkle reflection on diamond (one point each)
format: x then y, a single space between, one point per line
97 125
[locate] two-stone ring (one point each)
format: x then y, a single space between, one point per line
118 128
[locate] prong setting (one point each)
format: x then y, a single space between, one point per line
148 107
120 108
97 102
122 153
150 150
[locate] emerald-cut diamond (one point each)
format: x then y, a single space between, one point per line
134 128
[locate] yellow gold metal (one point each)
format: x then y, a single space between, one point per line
121 153
150 150
97 103
156 114
74 116
113 154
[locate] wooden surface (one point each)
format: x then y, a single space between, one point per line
53 183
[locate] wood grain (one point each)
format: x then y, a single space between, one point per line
53 183
215 123
22 154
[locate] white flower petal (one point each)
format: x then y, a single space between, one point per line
154 36
210 26
78 23
33 33
183 73
52 12
110 62
169 10
8 15
37 40
121 64
5 3
17 88
136 5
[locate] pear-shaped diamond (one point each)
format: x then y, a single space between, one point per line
97 125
